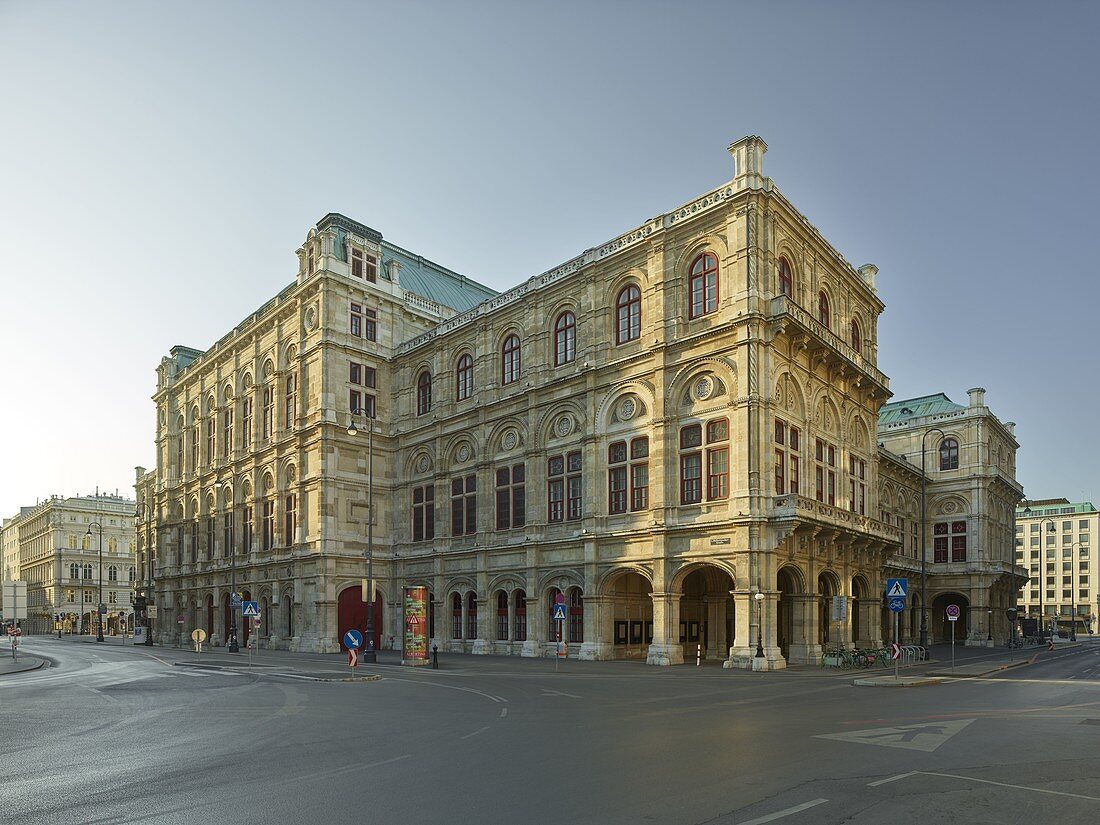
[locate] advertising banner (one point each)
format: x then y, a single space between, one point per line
414 651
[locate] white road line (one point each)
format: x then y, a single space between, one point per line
560 693
780 814
1005 785
503 712
891 779
475 733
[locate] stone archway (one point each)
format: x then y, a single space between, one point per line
628 605
706 615
939 628
827 587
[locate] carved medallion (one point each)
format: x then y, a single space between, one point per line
703 388
422 464
627 408
510 440
565 425
464 452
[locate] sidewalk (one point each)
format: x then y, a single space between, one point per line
24 663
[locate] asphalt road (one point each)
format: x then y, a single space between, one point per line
114 734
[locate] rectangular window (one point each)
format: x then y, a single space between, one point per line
573 492
718 474
511 497
291 400
639 473
246 423
464 505
780 472
958 541
269 412
290 519
555 489
269 524
691 478
939 542
211 432
355 401
210 526
355 320
423 501
246 537
227 431
355 373
857 485
372 325
227 534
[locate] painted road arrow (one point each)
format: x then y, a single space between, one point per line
926 737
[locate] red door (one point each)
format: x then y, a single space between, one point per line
352 615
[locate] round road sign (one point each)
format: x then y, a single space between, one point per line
953 610
198 634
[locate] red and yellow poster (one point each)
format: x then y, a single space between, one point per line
415 649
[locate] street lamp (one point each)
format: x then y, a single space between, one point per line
989 625
233 646
924 539
369 653
760 628
99 607
1042 567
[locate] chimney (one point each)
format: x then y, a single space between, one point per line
748 159
1011 427
977 396
868 272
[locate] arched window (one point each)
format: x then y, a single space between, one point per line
510 360
464 377
786 279
703 285
628 314
949 454
88 572
291 400
857 339
423 393
502 616
456 616
112 574
823 309
519 625
74 571
471 615
565 338
576 615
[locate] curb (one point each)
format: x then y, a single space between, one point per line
903 682
25 668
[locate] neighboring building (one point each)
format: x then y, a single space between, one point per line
655 432
1060 536
9 552
54 553
970 497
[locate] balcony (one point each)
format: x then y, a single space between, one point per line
812 512
789 319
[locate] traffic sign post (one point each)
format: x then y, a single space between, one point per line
353 639
250 610
898 588
199 636
953 616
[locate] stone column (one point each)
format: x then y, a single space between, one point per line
666 648
844 628
598 629
537 612
804 647
773 656
744 625
870 624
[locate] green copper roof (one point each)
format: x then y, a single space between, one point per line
431 280
897 411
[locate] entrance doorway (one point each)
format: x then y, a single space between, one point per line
352 614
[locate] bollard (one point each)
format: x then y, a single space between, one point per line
435 657
698 654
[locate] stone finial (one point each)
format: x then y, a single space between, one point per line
868 272
748 156
977 396
1011 427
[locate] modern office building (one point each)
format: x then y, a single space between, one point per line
677 433
1055 542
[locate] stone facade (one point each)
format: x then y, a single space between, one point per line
673 433
50 549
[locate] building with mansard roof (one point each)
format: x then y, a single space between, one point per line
678 434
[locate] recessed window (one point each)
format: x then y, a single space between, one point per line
786 279
628 314
823 309
423 501
511 495
628 475
703 285
825 472
464 505
715 454
464 377
949 454
787 458
565 338
423 393
857 339
563 487
355 320
510 360
364 266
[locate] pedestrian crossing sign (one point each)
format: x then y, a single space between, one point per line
250 608
560 612
897 588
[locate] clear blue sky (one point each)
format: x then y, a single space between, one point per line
160 163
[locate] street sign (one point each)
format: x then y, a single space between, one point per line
151 611
198 635
559 598
953 612
179 619
897 605
235 600
561 612
840 609
1050 644
353 657
353 640
895 651
897 588
15 600
250 608
102 608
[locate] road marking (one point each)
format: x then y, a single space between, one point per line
350 768
475 733
560 693
780 814
891 779
923 737
1002 785
497 699
503 712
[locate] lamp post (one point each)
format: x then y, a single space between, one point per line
233 646
760 627
924 539
99 607
148 577
1042 566
369 653
989 625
